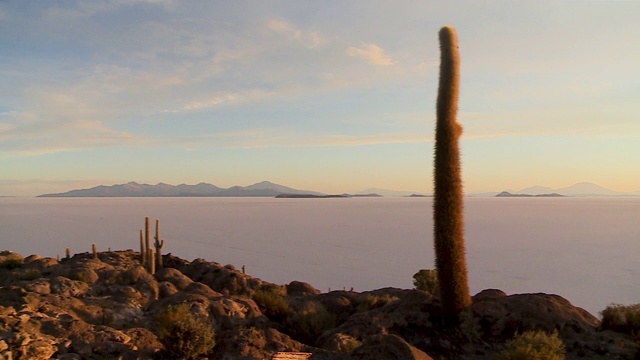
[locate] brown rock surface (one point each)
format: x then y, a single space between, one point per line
107 308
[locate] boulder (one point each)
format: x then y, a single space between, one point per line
388 347
10 260
253 343
299 288
175 277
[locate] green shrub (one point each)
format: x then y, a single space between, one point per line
271 302
534 345
470 326
426 280
28 274
621 318
307 324
183 335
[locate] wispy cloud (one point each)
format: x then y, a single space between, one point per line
370 53
309 39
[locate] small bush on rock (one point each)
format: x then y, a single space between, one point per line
307 324
426 280
621 318
271 302
183 335
534 345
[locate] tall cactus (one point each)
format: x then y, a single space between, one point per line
94 250
151 263
147 244
158 243
448 203
143 252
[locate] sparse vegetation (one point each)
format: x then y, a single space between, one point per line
183 335
307 324
426 280
28 274
534 345
622 318
271 301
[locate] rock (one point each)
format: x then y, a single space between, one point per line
505 315
166 289
10 260
85 308
388 347
253 343
175 277
298 288
409 316
339 342
31 258
68 288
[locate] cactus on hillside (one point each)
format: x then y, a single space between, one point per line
158 243
68 253
448 203
147 244
94 250
151 263
143 253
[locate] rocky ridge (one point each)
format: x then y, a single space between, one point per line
108 308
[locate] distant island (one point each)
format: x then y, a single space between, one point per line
508 194
133 189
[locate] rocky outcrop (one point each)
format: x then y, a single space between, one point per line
109 307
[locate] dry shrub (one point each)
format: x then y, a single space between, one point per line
183 335
622 318
534 345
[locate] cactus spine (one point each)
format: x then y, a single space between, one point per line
448 204
158 244
94 250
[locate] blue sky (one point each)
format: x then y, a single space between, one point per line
333 96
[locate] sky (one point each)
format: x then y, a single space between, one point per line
331 96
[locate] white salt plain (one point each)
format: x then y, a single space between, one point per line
584 249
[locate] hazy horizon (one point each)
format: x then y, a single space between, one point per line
580 188
332 96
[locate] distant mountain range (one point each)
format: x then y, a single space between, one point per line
269 189
579 189
133 189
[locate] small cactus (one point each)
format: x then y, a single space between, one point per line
68 253
158 244
94 250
